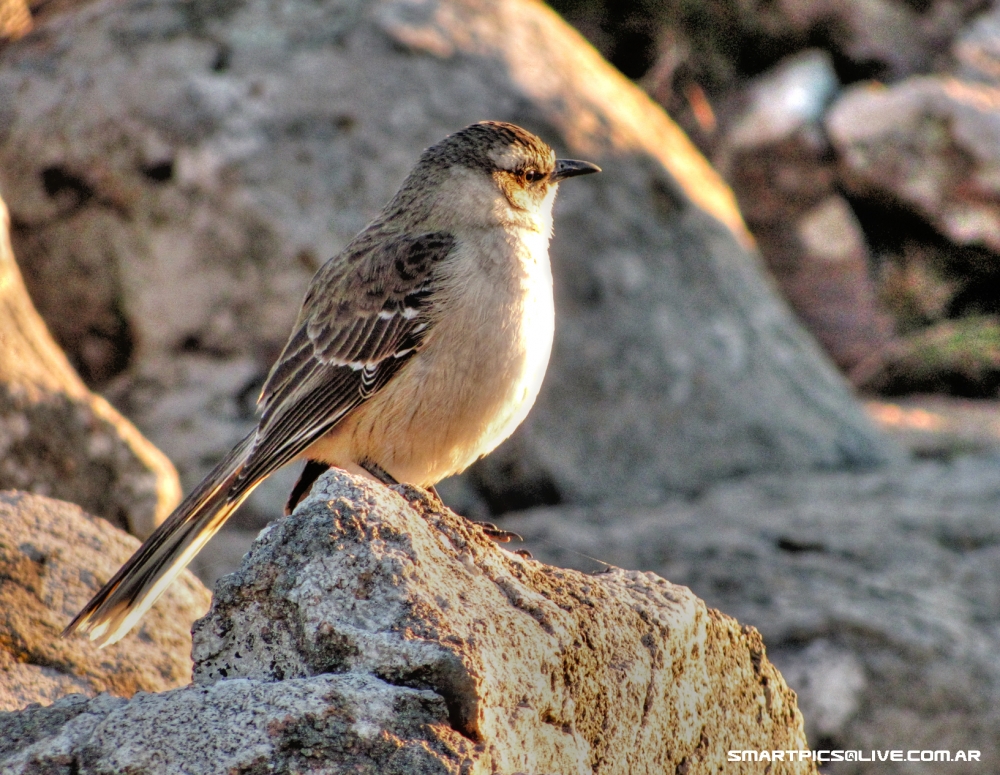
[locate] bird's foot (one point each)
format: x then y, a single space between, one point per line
433 491
493 532
499 535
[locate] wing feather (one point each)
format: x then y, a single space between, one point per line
351 350
340 354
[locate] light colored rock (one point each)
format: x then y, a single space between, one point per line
777 158
373 631
830 232
59 439
222 154
929 143
531 661
976 49
790 98
829 681
325 724
876 593
53 557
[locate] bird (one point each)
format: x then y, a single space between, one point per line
418 349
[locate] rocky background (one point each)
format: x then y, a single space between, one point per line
861 140
175 172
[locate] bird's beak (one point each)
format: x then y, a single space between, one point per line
570 168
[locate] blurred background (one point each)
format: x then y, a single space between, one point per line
777 358
859 139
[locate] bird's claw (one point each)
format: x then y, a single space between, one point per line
497 534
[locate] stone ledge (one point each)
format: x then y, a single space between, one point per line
376 629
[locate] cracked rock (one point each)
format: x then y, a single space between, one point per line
376 631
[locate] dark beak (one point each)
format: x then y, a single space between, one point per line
570 168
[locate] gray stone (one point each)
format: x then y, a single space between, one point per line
59 439
374 631
930 144
789 99
326 724
876 593
776 156
225 150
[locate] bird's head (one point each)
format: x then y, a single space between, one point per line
491 158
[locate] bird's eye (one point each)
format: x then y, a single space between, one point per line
533 176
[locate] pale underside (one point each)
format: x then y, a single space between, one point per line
476 377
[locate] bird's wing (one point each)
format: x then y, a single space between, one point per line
364 316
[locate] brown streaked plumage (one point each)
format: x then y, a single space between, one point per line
418 349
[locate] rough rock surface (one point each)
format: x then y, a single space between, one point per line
373 630
226 149
53 557
779 162
325 724
876 593
59 439
931 144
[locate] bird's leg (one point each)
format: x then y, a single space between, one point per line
312 471
378 472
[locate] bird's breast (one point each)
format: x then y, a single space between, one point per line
483 361
505 324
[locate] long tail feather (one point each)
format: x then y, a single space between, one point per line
114 610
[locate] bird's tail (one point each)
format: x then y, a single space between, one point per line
114 610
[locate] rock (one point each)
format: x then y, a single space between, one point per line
787 103
682 51
776 157
59 439
373 631
936 426
53 558
976 49
224 153
886 38
876 593
326 724
929 144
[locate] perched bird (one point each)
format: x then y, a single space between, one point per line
418 349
